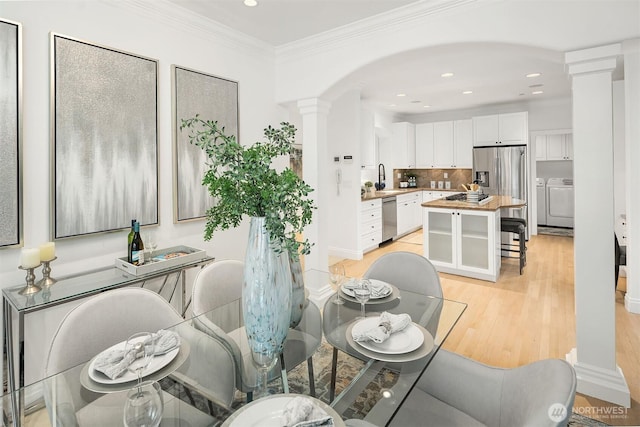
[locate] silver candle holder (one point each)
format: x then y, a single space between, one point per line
31 287
47 280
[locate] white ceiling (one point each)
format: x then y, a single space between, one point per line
494 72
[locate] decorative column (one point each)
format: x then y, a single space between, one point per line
631 50
315 164
594 357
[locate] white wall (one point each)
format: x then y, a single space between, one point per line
344 135
156 31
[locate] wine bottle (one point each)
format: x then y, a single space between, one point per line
130 236
136 251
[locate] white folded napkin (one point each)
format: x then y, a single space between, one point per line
377 288
303 412
388 324
114 362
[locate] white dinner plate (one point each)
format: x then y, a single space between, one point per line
401 342
389 289
156 363
267 412
419 353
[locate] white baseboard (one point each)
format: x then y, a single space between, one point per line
632 304
604 384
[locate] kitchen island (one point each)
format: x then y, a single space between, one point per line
463 238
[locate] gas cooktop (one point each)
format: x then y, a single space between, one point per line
462 197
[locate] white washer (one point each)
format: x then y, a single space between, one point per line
560 202
541 200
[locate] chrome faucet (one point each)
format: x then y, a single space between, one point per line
381 176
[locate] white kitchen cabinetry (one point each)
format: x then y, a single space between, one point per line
463 143
370 224
404 145
500 129
409 217
444 145
541 147
463 242
560 147
443 149
424 145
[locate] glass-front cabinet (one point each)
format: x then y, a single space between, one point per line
463 242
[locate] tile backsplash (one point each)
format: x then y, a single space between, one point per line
457 177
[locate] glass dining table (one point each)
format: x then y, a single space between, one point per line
357 380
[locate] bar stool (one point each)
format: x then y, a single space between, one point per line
517 226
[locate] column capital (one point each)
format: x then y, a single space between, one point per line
313 106
593 60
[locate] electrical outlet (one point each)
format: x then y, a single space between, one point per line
399 175
446 174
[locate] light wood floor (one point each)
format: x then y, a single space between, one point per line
521 319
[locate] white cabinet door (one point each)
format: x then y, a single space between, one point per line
486 130
513 128
555 147
463 143
439 236
541 147
443 144
568 146
403 217
424 145
475 243
404 145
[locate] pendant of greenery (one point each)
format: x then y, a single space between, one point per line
242 182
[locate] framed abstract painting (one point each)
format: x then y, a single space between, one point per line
10 134
213 98
104 108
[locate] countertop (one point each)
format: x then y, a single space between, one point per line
397 191
497 202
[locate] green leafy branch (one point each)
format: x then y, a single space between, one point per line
242 182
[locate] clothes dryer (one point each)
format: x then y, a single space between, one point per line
560 202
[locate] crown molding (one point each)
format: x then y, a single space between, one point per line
184 20
382 23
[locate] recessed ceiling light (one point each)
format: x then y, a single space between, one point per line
446 75
427 106
401 94
534 86
416 101
536 92
467 92
250 3
530 75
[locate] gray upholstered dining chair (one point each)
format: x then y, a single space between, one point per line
109 318
219 286
407 271
457 391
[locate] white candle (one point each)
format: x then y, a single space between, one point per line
47 251
30 257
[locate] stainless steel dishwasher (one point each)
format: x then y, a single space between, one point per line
389 218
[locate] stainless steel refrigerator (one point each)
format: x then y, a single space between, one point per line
503 171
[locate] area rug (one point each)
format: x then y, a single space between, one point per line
348 367
555 231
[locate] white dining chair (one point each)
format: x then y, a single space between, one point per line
409 272
217 291
109 318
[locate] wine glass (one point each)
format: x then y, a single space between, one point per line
144 405
336 276
362 293
151 244
142 346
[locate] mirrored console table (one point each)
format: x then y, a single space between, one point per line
72 288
